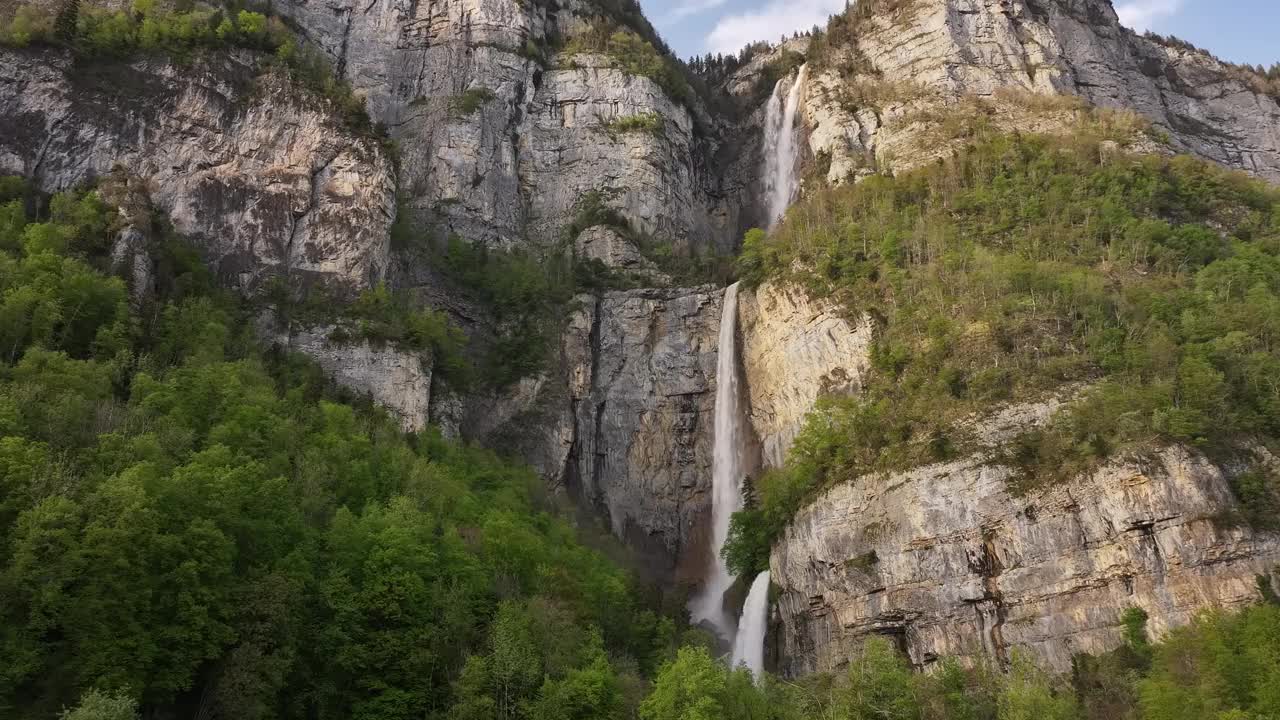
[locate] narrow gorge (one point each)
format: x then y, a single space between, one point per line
486 352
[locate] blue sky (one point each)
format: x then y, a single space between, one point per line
1237 30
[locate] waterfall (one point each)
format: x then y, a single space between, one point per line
780 147
726 471
748 648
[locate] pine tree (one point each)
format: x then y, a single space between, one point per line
68 17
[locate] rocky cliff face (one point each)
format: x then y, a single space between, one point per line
949 563
795 350
500 137
642 390
883 98
268 189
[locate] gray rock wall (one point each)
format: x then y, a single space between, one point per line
912 65
513 170
266 188
642 374
946 561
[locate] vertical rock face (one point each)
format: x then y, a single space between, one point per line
498 142
946 561
642 387
916 58
570 147
266 188
398 381
795 350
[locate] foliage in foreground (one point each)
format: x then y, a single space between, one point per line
192 524
1221 667
1017 267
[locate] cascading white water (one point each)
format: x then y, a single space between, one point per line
780 147
726 471
748 648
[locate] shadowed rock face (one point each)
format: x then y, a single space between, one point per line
642 386
266 188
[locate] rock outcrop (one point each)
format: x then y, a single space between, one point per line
795 350
398 380
949 563
609 247
267 189
882 99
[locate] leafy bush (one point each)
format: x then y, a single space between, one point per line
382 316
648 122
470 101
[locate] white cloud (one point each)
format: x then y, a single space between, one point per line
775 19
687 9
1142 14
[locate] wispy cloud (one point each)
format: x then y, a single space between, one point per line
1142 14
775 19
687 9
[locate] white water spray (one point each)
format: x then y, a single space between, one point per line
780 147
726 471
748 648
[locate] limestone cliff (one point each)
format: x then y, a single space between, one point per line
278 188
642 387
795 350
887 86
946 561
510 164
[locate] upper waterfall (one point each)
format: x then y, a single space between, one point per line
726 470
780 147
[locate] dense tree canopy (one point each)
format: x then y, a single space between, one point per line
195 523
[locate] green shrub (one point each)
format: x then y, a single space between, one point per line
648 122
470 101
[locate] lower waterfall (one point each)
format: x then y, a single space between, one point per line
726 471
748 647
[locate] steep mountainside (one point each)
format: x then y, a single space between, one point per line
268 189
511 166
891 79
557 134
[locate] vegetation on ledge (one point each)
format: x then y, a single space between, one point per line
1018 266
96 34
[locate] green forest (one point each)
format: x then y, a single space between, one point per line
194 525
